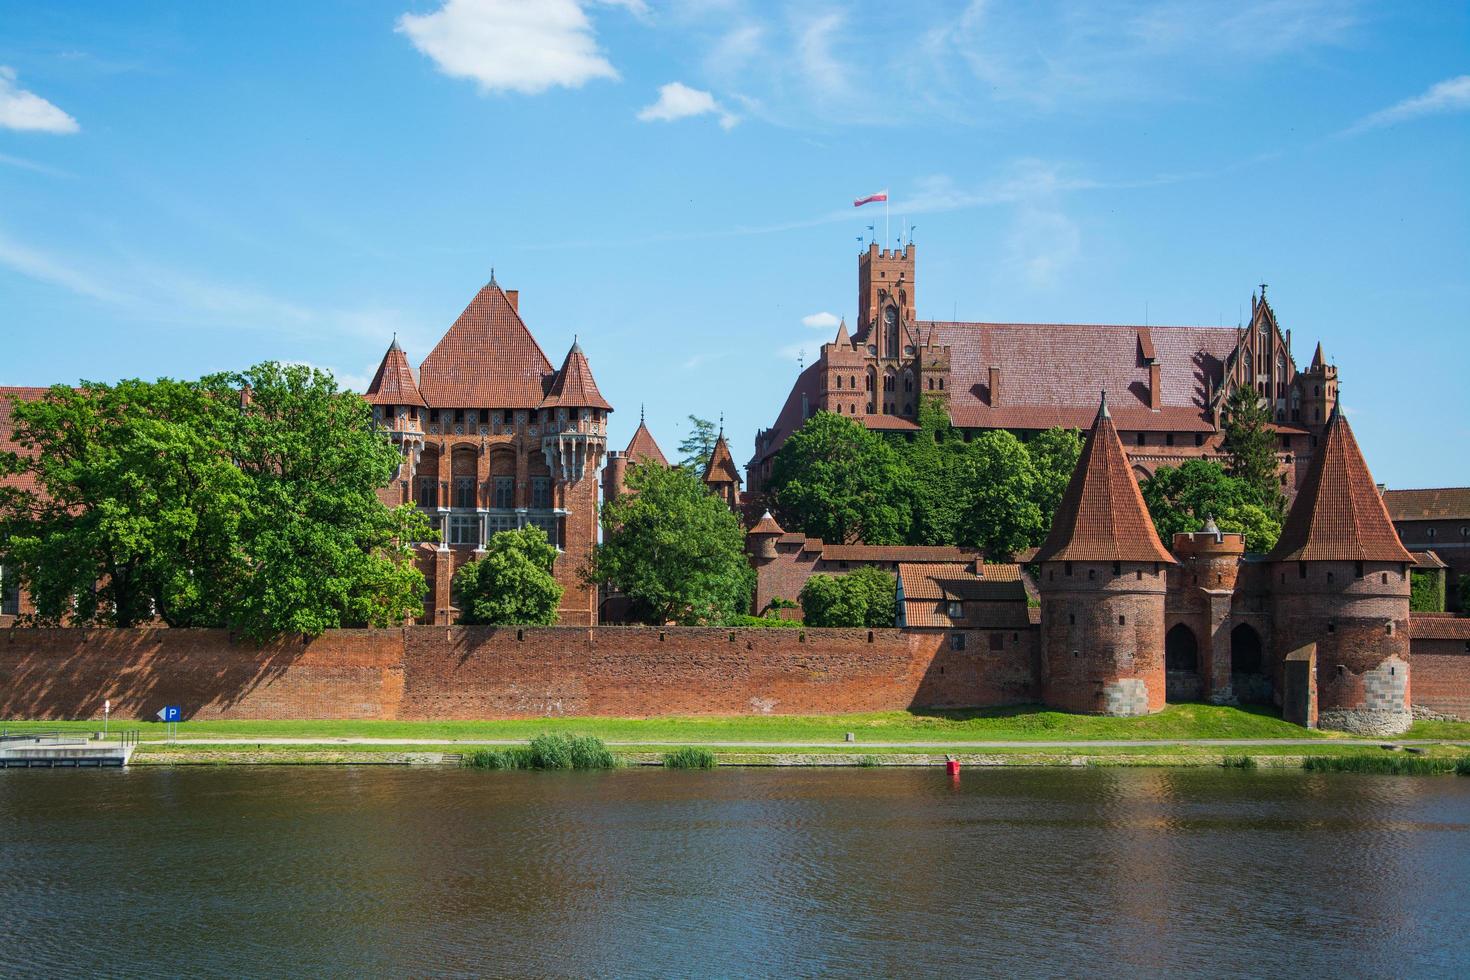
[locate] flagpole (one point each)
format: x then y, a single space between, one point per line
885 218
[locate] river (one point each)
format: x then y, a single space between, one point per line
351 871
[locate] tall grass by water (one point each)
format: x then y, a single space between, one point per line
1388 765
554 750
690 757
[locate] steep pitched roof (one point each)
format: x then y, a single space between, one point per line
1319 359
996 600
487 359
643 449
766 525
394 383
1338 514
1102 516
721 466
573 386
1441 503
842 339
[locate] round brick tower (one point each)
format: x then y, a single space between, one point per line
1103 576
1340 584
1202 594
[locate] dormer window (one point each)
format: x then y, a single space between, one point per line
956 610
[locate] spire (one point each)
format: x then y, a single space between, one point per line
394 384
1102 516
640 413
721 466
573 386
642 448
842 339
1338 514
1319 359
492 276
1102 407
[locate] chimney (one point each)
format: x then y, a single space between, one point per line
1155 387
978 566
994 386
514 295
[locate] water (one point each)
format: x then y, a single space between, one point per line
392 871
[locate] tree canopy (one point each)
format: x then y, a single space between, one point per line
837 481
1180 500
697 447
674 550
512 585
245 500
866 596
1250 446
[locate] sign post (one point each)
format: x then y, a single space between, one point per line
170 716
106 713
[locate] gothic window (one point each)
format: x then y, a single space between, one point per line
505 492
541 492
839 382
464 529
1249 374
426 496
890 332
464 491
908 381
941 384
931 384
852 381
868 382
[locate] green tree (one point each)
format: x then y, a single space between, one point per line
1003 516
317 548
137 506
698 445
512 585
1054 455
1250 446
675 550
864 597
1426 591
935 492
1181 499
835 480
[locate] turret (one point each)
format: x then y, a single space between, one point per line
1340 585
398 407
642 448
721 476
1103 576
760 541
575 417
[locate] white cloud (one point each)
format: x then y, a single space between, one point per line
1450 95
820 321
20 109
678 101
509 45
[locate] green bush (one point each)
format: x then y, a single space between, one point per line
868 762
1387 765
864 597
763 622
1426 591
547 751
690 757
1239 762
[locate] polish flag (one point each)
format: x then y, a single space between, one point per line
880 196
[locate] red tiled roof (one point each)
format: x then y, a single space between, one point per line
890 423
1439 626
25 481
1441 503
1051 372
1102 516
898 553
487 359
643 449
394 384
573 386
1427 560
766 525
996 600
721 466
1338 514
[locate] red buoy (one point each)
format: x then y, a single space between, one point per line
953 766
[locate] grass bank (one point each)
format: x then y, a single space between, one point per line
1023 723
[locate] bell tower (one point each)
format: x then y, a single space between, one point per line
886 298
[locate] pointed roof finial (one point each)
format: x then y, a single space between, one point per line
394 345
722 425
1263 292
640 413
492 276
1102 408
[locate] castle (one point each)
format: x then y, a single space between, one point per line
1169 385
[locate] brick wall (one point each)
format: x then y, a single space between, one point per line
427 672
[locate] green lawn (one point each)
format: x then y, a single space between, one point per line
1001 724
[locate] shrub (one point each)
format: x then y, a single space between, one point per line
547 751
690 757
868 762
864 597
763 622
1238 762
512 585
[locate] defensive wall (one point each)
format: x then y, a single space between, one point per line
466 672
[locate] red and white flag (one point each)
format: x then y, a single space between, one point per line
880 196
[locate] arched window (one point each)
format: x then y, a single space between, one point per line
868 381
908 381
852 381
1246 363
890 332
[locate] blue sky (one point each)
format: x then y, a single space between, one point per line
187 187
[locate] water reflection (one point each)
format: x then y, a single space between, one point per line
378 870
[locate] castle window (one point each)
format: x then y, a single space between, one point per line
1430 532
1329 576
464 529
1117 568
908 381
890 332
1168 438
1067 568
1358 570
505 492
1140 575
464 491
1091 574
941 384
426 496
956 610
1332 627
1301 569
1141 439
1071 619
541 492
507 419
1122 620
1388 628
839 382
1199 438
852 381
1385 578
931 384
458 416
956 641
997 641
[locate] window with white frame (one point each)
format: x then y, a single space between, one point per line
464 529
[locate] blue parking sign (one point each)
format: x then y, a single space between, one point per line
171 713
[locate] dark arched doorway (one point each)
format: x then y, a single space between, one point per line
1181 664
1248 676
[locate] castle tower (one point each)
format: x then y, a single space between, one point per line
1314 398
1340 583
843 376
642 448
760 544
885 297
1102 584
399 408
721 475
574 441
1202 591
